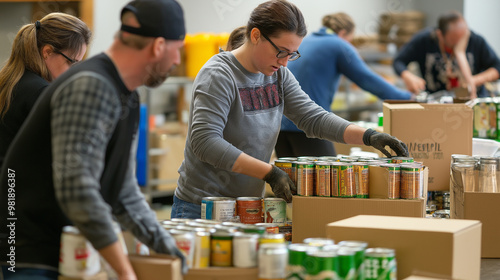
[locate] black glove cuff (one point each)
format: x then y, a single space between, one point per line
366 136
272 174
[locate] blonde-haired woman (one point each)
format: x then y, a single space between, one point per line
325 56
41 52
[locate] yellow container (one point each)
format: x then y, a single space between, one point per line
199 49
221 41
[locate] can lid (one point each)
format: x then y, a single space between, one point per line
360 163
380 252
181 220
346 251
302 247
390 165
273 236
273 199
272 246
216 198
323 163
222 234
71 230
241 235
319 241
177 232
248 198
353 244
267 225
208 222
288 158
322 254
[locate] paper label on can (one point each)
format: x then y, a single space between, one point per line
275 211
77 257
221 253
204 210
223 210
273 266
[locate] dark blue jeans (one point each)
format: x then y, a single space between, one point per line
184 209
28 273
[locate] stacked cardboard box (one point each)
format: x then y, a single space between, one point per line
450 248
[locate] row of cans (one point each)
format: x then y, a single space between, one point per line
247 210
320 258
207 243
349 176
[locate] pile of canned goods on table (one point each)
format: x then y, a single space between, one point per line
320 258
349 176
221 244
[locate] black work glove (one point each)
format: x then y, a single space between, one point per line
380 140
280 183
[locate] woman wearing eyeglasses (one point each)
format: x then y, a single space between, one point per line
327 55
41 52
238 100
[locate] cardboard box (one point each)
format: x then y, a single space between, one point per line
156 267
432 132
451 248
222 273
379 182
311 215
484 207
168 159
99 276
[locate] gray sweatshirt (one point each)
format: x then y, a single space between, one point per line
234 111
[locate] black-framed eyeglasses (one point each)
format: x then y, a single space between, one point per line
70 60
283 53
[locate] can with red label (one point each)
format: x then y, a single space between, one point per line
249 209
322 185
77 258
185 241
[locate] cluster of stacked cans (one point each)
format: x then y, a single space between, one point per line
349 176
320 258
209 243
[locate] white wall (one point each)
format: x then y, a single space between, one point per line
106 23
434 8
12 17
225 15
483 17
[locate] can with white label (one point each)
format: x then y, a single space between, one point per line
218 208
273 261
185 241
77 258
245 249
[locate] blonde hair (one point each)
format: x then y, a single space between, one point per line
339 21
61 31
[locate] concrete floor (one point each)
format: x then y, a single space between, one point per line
490 269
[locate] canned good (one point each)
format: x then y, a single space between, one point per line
322 183
441 214
297 255
359 248
347 263
201 248
446 200
399 160
218 208
287 231
274 210
394 179
307 158
229 229
319 242
411 181
170 223
305 178
380 264
272 238
285 165
361 177
347 187
253 229
77 256
321 265
273 259
245 249
334 181
221 249
249 209
269 227
185 241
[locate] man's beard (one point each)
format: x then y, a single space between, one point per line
156 78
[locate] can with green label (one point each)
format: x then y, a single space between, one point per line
297 254
321 265
359 247
305 178
380 264
347 263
